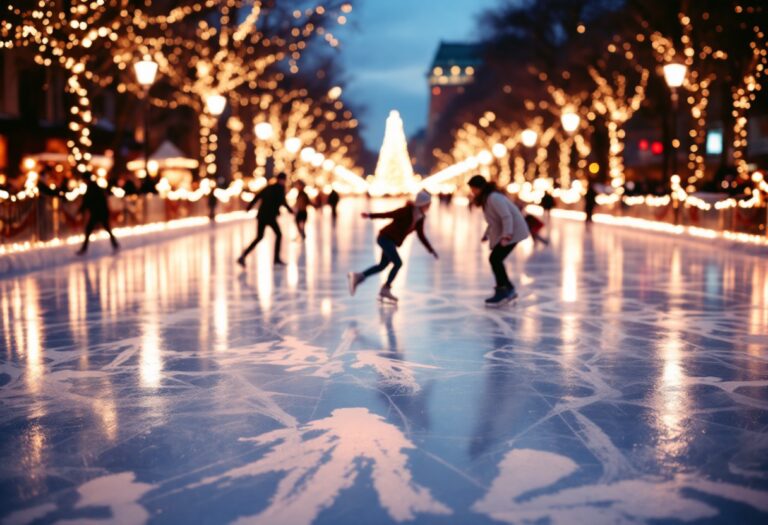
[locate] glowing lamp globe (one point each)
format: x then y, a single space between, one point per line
293 145
529 138
485 157
215 104
570 121
674 74
146 71
263 131
307 154
499 150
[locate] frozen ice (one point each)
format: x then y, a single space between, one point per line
627 384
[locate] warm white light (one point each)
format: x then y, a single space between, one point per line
570 121
499 150
215 104
529 138
317 159
145 70
307 154
334 92
293 145
485 157
263 130
674 74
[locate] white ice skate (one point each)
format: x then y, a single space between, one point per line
386 296
354 279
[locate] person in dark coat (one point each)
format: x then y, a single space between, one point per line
547 204
405 220
272 199
590 201
301 205
333 202
95 203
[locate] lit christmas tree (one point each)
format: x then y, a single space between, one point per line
394 172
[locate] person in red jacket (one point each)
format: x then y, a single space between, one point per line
405 220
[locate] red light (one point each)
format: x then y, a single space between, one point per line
436 90
643 145
657 148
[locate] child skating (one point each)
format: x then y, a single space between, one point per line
405 220
300 208
506 228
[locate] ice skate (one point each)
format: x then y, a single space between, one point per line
354 279
386 296
501 297
241 262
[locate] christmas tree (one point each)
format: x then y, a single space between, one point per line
394 172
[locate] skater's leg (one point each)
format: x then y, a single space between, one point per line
387 248
259 236
108 229
278 238
89 227
376 268
397 263
498 254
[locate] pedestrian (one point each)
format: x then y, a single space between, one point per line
95 203
405 220
547 204
333 202
272 198
300 207
590 201
506 228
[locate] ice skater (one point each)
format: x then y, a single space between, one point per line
95 203
300 207
272 199
405 220
506 228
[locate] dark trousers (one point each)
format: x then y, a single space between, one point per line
389 256
91 225
263 222
498 254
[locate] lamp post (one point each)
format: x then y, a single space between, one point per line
674 76
146 71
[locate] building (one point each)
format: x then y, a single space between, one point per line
454 67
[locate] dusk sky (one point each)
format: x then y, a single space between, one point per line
387 48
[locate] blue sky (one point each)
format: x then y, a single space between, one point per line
387 48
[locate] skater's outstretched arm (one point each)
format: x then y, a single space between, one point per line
256 198
287 206
383 215
423 238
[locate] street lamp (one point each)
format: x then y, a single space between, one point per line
674 76
146 71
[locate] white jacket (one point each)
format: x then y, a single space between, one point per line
504 219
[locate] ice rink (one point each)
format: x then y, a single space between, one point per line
628 384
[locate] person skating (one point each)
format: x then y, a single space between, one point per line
405 220
272 198
333 202
506 228
95 203
300 207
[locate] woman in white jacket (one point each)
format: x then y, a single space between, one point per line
506 228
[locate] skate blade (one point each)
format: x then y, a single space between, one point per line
387 300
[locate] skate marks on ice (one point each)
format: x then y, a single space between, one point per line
322 458
518 495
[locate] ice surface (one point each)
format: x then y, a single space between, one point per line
628 384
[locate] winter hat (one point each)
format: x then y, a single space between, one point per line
422 198
477 181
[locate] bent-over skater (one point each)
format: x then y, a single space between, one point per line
272 198
95 203
506 228
405 220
